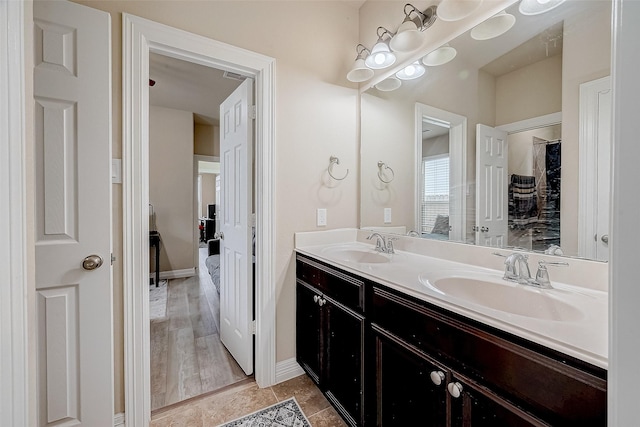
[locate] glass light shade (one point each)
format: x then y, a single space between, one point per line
536 7
455 10
408 38
359 72
389 84
381 56
493 27
440 56
411 71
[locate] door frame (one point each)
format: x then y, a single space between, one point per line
196 213
457 167
17 311
140 37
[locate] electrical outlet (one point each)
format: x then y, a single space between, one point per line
322 217
387 215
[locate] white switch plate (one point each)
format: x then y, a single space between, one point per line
387 215
322 217
116 171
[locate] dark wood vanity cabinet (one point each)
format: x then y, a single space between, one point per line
330 335
412 363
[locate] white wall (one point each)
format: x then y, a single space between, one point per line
171 185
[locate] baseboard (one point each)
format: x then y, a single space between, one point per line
118 420
287 369
177 274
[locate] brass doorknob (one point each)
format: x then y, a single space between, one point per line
91 262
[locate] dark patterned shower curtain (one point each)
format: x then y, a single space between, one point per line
547 169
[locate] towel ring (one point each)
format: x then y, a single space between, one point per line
382 165
333 160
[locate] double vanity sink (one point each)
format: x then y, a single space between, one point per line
567 318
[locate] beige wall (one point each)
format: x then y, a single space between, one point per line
316 117
206 140
208 184
521 148
171 185
531 91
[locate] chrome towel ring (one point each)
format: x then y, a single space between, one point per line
333 160
382 168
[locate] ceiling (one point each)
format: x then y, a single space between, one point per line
187 86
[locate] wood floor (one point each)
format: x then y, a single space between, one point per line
187 357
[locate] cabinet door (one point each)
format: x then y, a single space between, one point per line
308 332
406 394
344 368
475 406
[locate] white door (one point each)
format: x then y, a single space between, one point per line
492 210
603 146
236 272
72 86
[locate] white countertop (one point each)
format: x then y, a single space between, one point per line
583 334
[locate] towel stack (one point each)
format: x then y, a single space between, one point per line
523 201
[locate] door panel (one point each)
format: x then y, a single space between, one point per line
492 211
72 90
236 276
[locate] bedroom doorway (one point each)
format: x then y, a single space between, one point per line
187 357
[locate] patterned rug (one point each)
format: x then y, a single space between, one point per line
283 414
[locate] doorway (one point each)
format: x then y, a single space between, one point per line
187 357
142 37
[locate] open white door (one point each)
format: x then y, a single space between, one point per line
73 215
236 272
492 209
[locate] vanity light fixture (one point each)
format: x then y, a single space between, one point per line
536 7
411 71
360 72
389 84
440 56
455 10
493 27
409 35
381 55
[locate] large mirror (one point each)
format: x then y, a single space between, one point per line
506 145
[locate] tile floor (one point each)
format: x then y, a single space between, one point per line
237 401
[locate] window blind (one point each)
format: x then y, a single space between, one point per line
435 195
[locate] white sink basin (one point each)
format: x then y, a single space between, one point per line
357 255
497 294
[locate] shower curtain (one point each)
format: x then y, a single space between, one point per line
547 169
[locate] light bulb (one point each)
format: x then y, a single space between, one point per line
543 1
379 58
410 70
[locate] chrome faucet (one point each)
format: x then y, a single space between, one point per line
517 269
382 244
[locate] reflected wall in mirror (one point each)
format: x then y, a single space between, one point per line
510 83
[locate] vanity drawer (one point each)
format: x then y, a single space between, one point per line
346 289
559 389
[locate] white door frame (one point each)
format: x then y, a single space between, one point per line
16 308
140 37
196 213
457 167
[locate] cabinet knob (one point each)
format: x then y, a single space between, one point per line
316 298
437 377
322 302
455 389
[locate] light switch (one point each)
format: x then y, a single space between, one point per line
322 217
116 171
387 215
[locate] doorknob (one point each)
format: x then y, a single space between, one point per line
219 235
91 262
605 238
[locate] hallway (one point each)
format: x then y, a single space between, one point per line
187 357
